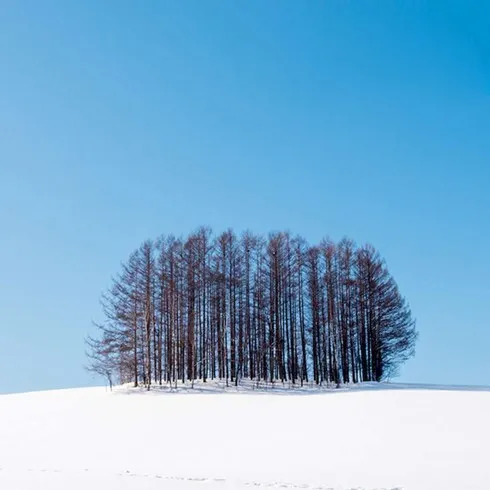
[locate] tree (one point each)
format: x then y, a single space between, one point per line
102 356
274 309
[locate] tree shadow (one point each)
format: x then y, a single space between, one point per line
248 387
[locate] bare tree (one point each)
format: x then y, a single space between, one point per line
102 356
272 309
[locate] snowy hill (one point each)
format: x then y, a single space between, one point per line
371 437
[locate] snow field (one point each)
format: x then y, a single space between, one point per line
371 437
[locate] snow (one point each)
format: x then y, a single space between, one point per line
208 438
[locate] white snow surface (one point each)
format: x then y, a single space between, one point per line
369 437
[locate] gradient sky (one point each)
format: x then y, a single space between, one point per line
121 120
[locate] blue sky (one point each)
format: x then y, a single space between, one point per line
121 120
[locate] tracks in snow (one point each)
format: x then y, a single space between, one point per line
218 482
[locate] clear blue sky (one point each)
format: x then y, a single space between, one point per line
123 120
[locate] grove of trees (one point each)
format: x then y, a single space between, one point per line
265 308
